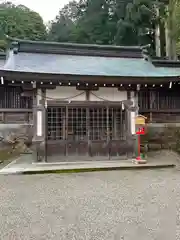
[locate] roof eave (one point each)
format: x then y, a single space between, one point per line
166 63
36 76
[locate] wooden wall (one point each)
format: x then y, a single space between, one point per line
15 117
160 106
14 108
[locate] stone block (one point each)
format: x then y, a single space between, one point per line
155 146
15 135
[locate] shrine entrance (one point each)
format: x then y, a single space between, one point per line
92 132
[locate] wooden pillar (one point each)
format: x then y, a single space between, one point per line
129 135
34 117
88 124
152 97
39 120
136 112
134 99
129 108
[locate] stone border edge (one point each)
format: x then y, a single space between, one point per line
81 170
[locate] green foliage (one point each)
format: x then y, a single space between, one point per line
62 27
20 22
117 22
176 20
94 25
3 45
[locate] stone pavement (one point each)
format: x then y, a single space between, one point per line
25 165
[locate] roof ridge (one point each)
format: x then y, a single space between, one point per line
21 41
19 45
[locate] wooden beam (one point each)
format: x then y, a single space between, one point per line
86 88
29 86
15 110
54 103
160 110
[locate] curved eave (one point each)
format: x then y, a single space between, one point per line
10 75
166 63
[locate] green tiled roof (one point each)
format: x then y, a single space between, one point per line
87 65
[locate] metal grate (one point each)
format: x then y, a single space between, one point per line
56 123
98 124
117 123
85 123
76 124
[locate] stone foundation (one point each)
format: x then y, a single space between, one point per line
15 136
162 137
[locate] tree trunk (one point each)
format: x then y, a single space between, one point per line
157 36
170 30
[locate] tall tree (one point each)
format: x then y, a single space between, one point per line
88 21
20 22
172 21
177 26
61 29
137 27
128 22
95 26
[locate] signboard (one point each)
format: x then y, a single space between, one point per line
140 120
140 131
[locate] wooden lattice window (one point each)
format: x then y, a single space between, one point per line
159 100
85 123
10 97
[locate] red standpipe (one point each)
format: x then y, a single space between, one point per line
139 148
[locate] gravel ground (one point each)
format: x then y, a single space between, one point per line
128 205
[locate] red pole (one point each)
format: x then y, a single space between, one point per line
139 148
